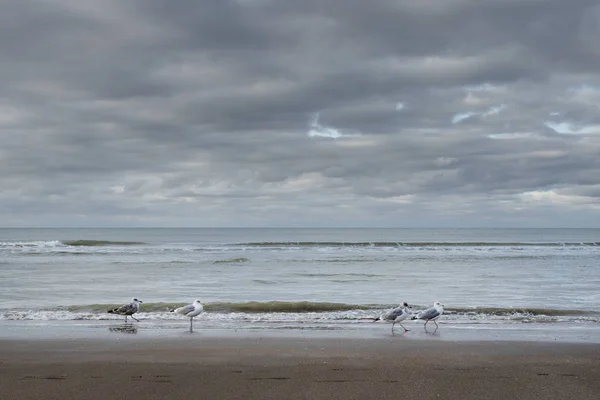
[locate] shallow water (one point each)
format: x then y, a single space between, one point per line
318 278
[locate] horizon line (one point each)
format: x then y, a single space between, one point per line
293 227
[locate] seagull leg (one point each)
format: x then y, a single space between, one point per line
405 330
126 319
135 318
425 326
394 323
191 319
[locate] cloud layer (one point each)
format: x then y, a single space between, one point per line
300 113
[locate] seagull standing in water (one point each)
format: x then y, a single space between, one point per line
396 315
127 309
191 311
431 314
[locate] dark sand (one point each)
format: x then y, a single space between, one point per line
301 368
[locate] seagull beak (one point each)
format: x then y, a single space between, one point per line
140 301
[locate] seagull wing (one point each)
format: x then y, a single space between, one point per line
125 309
392 314
185 309
428 314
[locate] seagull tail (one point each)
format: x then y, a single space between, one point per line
111 311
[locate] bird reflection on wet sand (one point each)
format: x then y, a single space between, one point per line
126 328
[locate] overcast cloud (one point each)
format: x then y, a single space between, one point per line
300 113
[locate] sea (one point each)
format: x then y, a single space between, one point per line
300 278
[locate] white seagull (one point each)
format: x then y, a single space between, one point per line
127 309
396 315
431 314
191 311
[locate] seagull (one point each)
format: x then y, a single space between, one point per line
127 309
396 315
191 311
431 314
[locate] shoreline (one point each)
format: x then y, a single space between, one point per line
296 368
36 330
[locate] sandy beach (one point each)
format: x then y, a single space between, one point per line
296 368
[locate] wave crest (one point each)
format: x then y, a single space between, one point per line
245 307
232 260
83 242
413 244
500 312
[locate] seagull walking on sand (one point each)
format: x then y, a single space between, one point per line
431 314
191 311
396 315
127 309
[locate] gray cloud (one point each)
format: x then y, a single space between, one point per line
203 113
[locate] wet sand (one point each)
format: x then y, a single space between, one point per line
296 368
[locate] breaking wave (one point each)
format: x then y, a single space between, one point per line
99 243
62 246
304 310
412 244
88 246
522 311
245 307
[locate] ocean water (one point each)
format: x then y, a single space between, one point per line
301 278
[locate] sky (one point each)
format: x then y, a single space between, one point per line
286 113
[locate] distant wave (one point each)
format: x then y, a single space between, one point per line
83 245
232 260
52 244
99 243
39 244
323 275
336 260
412 244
